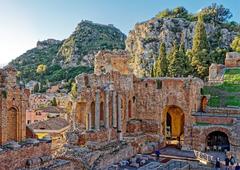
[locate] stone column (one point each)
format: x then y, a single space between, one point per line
107 110
97 110
127 108
119 118
74 114
114 111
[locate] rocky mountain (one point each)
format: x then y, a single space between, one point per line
144 40
68 58
87 39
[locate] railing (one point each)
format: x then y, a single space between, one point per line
203 157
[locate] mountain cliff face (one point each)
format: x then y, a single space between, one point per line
144 40
70 57
87 39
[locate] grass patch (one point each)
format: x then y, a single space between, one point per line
229 87
232 76
201 124
232 101
214 101
226 94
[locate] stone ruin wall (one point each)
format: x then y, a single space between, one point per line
155 96
107 61
14 102
104 96
232 59
148 99
216 74
21 155
216 71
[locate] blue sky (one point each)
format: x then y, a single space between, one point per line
24 22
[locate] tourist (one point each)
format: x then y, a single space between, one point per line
217 166
232 161
227 161
237 167
157 152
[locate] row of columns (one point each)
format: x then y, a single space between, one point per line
116 118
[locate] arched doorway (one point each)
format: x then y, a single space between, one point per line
173 124
12 124
81 111
168 126
204 103
218 141
92 115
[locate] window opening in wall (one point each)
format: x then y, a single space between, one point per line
159 84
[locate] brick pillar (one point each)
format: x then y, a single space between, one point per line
114 112
97 110
127 108
107 110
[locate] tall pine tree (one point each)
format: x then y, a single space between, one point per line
199 53
185 60
161 64
175 67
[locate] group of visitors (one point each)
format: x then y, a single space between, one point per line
229 164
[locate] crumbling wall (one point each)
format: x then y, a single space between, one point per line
232 59
107 61
216 73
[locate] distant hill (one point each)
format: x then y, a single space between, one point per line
70 57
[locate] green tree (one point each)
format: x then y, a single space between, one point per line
54 102
200 36
199 54
176 63
216 14
186 70
236 44
161 64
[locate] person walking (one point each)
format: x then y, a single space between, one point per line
217 165
227 161
157 152
232 161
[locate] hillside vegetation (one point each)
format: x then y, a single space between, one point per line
63 60
186 43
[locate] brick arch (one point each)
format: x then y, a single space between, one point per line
220 129
12 124
210 130
171 99
177 120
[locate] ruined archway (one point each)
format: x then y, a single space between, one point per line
12 124
217 141
173 123
81 112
